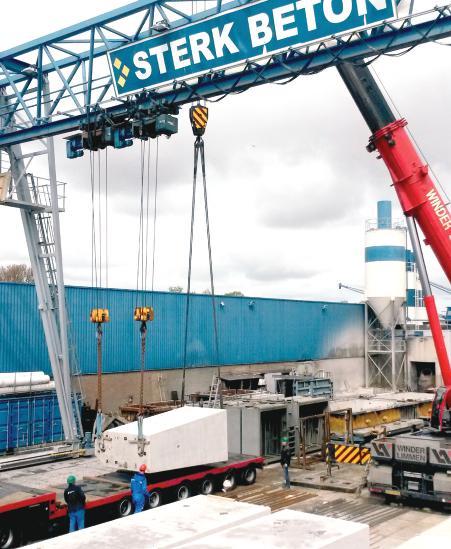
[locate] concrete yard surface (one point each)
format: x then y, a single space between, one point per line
289 529
168 526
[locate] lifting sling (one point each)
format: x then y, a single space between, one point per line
199 119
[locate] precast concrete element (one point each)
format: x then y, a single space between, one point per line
436 536
172 525
289 529
184 437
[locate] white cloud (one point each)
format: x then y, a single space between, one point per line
290 182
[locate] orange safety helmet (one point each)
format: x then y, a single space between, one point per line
143 468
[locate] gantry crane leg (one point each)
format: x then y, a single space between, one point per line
40 220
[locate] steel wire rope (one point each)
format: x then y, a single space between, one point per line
155 204
140 230
210 258
199 151
94 278
188 290
142 264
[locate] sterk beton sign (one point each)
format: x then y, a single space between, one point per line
249 32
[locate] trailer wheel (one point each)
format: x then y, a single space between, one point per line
230 477
183 492
7 536
155 499
207 487
124 507
249 476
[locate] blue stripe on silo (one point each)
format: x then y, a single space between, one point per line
272 330
385 253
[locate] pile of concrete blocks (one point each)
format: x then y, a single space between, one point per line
205 522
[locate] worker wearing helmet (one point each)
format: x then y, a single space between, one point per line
138 486
75 499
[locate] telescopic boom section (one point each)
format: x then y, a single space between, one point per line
416 191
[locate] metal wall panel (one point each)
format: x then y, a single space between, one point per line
251 330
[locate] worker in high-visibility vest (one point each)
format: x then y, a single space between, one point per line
138 486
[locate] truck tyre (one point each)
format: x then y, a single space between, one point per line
183 492
207 487
7 536
124 507
231 477
155 499
249 476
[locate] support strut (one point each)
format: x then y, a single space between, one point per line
417 193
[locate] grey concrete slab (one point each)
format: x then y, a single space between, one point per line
165 527
289 529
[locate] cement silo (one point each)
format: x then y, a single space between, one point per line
385 266
385 296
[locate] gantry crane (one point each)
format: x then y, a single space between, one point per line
62 83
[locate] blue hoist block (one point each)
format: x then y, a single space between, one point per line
165 124
74 146
123 137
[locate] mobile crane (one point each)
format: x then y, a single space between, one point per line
413 466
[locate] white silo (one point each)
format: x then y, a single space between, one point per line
385 267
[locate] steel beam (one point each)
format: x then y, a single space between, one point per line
277 68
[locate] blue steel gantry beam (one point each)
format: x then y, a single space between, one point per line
73 61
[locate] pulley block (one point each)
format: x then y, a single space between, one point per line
100 316
143 314
198 116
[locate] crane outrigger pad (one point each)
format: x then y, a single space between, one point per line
184 437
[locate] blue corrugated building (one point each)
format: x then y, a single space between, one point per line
251 330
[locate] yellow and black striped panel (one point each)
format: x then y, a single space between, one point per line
199 118
345 453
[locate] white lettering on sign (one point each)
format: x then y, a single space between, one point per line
159 52
282 20
363 9
222 40
259 29
179 51
440 209
339 17
199 43
141 62
309 7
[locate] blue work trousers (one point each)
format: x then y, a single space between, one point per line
286 472
76 520
138 503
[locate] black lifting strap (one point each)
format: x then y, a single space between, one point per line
199 151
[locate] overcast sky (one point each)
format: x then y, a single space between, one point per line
290 182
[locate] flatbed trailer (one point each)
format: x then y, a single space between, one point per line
30 514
